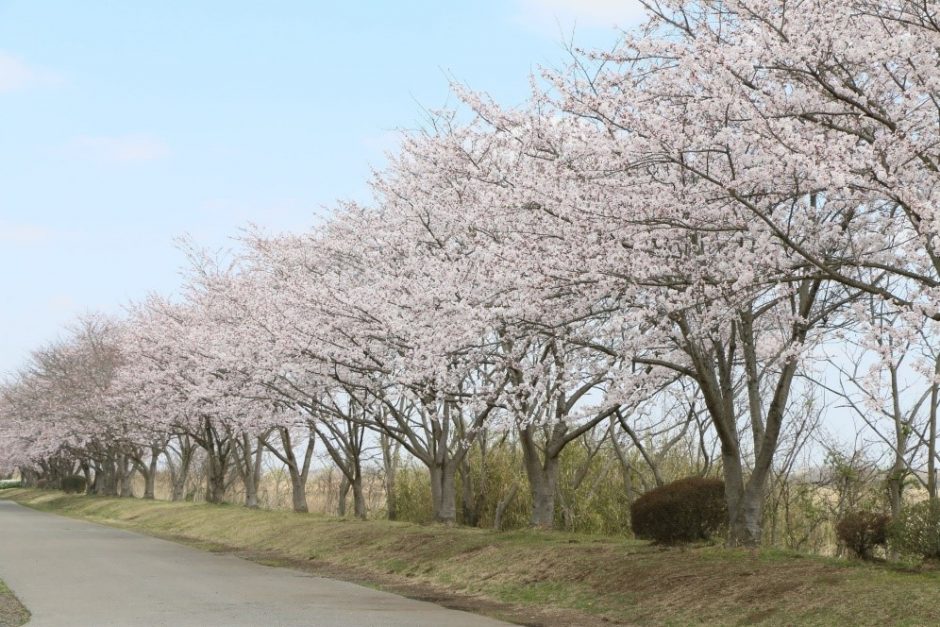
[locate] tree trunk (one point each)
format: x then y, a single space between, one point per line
343 493
436 474
543 479
179 479
444 492
359 500
502 505
391 495
178 488
105 483
150 475
86 472
215 482
298 489
248 464
745 504
109 485
29 477
179 475
218 452
469 508
125 476
932 437
216 470
448 511
747 517
251 491
298 473
746 527
150 479
343 441
626 470
895 486
390 463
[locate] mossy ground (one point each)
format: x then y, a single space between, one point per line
537 577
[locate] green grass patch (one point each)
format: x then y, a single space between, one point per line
541 577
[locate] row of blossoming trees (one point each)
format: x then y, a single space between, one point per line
739 203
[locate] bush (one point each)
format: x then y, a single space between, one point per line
916 531
73 484
862 531
590 493
682 511
10 483
413 494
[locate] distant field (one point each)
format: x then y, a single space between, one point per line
536 577
12 612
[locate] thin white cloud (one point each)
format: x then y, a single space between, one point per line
119 148
16 74
567 13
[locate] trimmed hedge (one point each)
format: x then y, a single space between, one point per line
862 531
686 510
73 484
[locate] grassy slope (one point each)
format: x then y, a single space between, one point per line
536 577
12 612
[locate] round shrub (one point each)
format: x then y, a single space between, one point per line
73 484
682 511
862 531
916 530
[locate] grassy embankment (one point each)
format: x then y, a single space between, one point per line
538 578
12 612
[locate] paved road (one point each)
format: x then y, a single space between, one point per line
70 573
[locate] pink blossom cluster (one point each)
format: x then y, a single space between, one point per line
698 214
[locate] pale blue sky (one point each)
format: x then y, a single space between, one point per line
126 124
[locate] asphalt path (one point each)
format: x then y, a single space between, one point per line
70 573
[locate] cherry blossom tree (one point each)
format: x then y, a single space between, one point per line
681 225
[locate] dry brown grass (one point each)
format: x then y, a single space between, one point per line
539 577
12 612
274 491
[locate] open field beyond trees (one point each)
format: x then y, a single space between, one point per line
536 577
